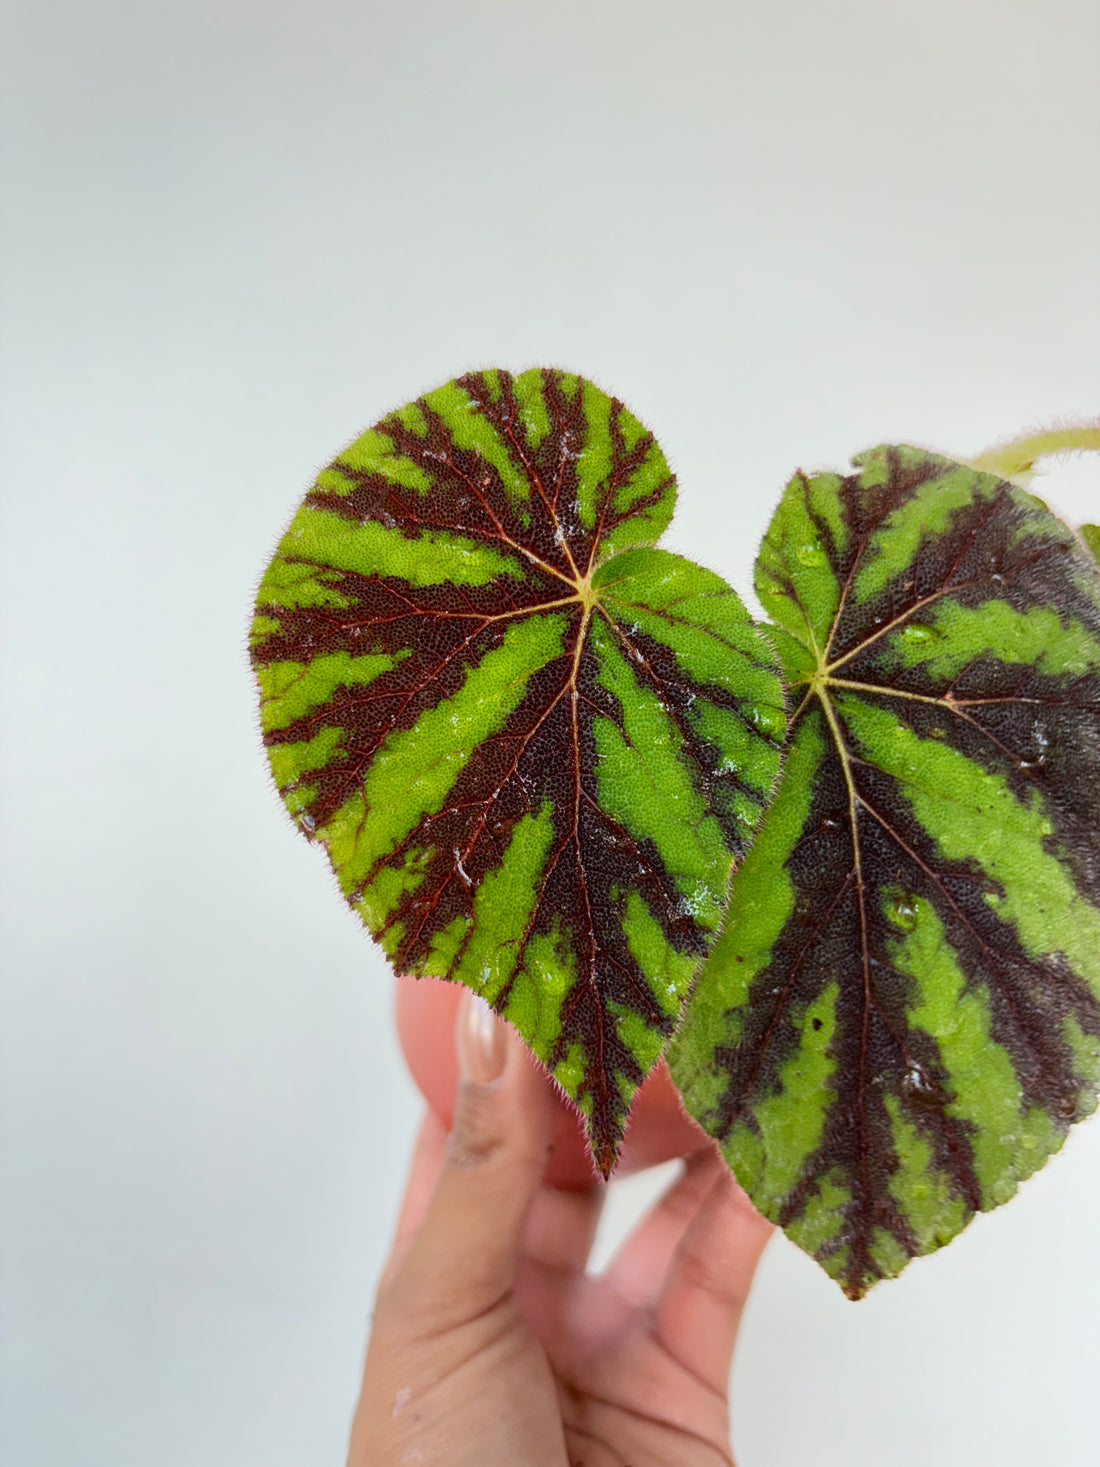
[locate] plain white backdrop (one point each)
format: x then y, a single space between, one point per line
235 234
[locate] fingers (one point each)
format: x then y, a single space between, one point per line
428 1153
457 1253
557 1240
709 1277
637 1271
561 1228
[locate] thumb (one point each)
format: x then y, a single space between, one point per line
462 1261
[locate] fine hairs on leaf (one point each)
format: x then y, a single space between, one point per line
553 762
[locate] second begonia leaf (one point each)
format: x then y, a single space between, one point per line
532 745
900 1021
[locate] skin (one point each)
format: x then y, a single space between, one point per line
491 1344
425 1010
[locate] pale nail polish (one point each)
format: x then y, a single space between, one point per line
481 1041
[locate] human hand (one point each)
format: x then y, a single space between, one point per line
425 1011
493 1347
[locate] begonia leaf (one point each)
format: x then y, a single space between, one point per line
900 1021
532 745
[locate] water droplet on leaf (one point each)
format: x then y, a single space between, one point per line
919 1086
1036 756
903 910
770 721
917 633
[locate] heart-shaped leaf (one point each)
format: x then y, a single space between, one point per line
900 1020
532 745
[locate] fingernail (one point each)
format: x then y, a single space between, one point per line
481 1041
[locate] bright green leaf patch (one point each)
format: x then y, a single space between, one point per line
533 745
901 1018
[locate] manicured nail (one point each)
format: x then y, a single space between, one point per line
482 1042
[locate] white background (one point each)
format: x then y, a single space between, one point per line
236 233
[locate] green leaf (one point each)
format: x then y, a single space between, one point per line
532 745
901 1019
1091 536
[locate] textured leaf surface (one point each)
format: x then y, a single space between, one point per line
900 1020
532 744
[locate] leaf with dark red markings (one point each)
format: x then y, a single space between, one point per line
532 745
901 1019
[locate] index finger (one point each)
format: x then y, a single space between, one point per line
708 1281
